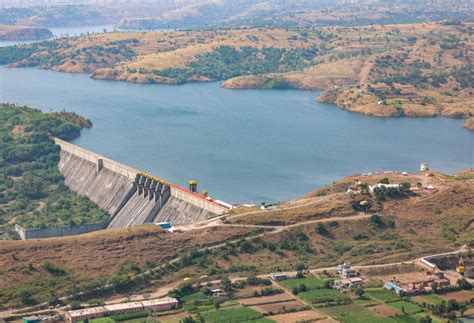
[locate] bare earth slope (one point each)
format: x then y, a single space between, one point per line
321 229
95 255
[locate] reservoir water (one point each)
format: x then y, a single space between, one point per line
241 145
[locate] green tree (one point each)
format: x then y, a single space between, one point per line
359 292
26 296
217 304
464 284
226 284
321 229
425 319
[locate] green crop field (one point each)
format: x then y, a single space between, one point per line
191 308
382 294
365 317
337 311
432 299
195 296
102 320
405 319
316 296
235 315
354 313
408 308
309 282
365 301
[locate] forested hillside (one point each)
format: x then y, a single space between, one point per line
32 192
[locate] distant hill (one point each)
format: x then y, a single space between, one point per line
162 14
299 13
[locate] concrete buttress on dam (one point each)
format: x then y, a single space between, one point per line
128 195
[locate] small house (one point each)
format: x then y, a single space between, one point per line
279 276
424 167
391 286
346 283
218 292
346 271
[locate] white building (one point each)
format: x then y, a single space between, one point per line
279 276
162 304
346 270
424 167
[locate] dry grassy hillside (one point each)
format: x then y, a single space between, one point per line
453 196
318 230
321 234
96 255
382 70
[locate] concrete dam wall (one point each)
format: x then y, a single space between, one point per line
131 197
59 231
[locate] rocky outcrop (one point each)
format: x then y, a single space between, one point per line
16 33
469 123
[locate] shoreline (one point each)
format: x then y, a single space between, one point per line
327 95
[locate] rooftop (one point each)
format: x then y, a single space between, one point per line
86 311
165 300
123 306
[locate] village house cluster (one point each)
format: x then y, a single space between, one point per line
415 286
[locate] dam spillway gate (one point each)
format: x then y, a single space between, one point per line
131 197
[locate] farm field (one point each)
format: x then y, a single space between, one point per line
366 301
265 299
235 315
248 291
351 313
311 282
460 296
381 294
429 299
384 310
317 296
280 306
308 315
406 307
